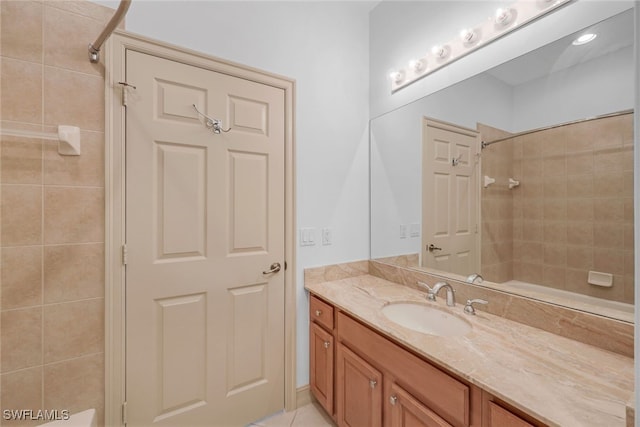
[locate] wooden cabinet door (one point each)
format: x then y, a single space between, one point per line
407 411
358 391
500 417
321 366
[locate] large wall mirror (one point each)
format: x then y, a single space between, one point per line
544 208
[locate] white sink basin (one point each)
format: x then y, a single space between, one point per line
426 319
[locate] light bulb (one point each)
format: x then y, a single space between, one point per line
441 52
397 76
504 17
469 36
416 65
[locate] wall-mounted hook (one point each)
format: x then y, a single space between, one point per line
488 181
214 125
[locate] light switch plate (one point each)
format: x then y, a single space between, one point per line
307 237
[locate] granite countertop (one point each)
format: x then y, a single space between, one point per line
557 380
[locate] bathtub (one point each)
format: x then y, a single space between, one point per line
81 419
615 309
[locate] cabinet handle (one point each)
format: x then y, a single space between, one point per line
327 344
373 383
318 312
393 400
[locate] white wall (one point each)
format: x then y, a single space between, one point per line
589 89
324 47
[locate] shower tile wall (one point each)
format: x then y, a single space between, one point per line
52 210
573 211
497 207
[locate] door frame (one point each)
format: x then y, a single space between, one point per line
115 186
452 127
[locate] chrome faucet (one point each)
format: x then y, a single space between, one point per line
470 309
433 292
473 277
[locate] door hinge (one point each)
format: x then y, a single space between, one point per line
124 413
124 254
125 91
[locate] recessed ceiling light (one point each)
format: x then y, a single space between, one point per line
584 39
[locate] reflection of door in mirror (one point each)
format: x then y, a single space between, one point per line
450 213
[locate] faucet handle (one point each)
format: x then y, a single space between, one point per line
469 309
430 295
473 277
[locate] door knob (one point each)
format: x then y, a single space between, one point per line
393 400
274 268
433 247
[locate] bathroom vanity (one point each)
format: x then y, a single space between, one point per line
367 370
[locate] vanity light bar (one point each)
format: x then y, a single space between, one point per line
505 20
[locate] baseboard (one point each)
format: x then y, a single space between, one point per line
303 396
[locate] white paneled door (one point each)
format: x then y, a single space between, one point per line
450 214
205 234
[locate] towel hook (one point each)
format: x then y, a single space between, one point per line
214 125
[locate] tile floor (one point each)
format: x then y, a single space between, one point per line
310 415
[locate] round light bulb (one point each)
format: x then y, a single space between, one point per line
440 51
397 76
416 65
504 16
468 36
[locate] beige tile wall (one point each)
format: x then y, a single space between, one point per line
573 211
578 189
52 209
497 207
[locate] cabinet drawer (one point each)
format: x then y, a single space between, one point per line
321 312
445 395
500 417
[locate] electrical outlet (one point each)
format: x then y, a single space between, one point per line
403 231
327 238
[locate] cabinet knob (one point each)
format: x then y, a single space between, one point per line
373 383
393 400
318 312
327 344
